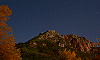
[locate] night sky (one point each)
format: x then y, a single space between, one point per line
31 17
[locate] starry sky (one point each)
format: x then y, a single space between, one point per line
31 17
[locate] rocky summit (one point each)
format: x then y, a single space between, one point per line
76 42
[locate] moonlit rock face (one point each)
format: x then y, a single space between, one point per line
51 36
80 43
53 31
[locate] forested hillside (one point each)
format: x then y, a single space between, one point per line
53 46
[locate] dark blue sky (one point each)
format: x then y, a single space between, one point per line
31 17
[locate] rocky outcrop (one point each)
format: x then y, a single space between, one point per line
61 45
49 35
33 44
80 43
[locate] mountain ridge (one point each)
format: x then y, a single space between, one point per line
77 42
48 43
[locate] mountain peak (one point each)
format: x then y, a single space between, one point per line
48 34
47 44
76 42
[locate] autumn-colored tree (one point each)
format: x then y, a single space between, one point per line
8 51
97 56
98 42
67 55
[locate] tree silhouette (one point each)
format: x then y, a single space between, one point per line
8 51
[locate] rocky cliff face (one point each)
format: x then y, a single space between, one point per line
80 43
49 35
